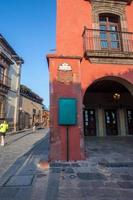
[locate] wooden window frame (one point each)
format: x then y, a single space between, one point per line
107 23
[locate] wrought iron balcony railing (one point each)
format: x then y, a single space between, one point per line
5 80
108 41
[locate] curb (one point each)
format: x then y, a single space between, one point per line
17 132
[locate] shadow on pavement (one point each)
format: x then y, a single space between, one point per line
26 164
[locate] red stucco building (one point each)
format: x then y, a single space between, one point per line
93 64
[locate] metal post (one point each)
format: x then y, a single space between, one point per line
67 141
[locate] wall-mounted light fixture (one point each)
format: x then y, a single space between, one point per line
116 96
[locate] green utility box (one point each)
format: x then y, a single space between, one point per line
67 111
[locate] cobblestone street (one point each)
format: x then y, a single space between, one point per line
17 145
107 174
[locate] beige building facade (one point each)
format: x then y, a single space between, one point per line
30 109
10 71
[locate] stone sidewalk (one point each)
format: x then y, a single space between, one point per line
16 145
103 176
10 133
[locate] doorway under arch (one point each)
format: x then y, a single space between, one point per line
108 108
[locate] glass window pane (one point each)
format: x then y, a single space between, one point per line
103 27
102 19
113 115
103 35
86 123
114 36
113 19
1 73
113 28
104 44
91 112
114 45
129 112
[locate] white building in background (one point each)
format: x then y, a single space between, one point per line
10 72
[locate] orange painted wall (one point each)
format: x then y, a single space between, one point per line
129 14
92 72
58 133
72 16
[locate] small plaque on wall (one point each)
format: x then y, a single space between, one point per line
64 73
65 67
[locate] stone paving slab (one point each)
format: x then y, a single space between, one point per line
91 176
39 188
20 181
125 184
8 193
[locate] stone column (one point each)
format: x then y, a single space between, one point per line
122 122
101 129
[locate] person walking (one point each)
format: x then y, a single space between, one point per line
34 128
3 129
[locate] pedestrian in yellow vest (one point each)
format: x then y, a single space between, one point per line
3 129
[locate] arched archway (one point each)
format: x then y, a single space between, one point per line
108 107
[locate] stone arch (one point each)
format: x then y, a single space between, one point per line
122 81
107 102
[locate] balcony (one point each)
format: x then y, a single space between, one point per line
5 83
108 46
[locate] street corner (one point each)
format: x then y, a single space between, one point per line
43 165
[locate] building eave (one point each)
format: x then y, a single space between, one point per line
55 56
14 55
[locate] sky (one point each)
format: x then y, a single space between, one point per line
29 27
